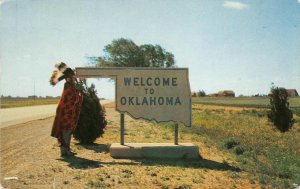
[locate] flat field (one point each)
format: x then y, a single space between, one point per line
20 102
239 149
270 157
246 102
254 102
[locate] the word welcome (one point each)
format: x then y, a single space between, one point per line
150 81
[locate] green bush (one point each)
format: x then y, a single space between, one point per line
184 186
201 93
92 120
280 113
240 149
230 143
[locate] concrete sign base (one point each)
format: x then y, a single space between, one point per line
155 150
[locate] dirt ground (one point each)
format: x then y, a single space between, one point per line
29 154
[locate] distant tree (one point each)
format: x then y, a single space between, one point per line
201 93
33 96
280 113
156 56
125 53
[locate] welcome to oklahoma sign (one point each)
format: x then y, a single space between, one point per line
160 94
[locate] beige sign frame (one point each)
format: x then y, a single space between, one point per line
182 86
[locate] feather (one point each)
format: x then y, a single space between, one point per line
54 79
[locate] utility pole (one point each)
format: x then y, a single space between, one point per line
34 89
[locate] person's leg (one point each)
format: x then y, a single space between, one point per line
69 143
67 137
65 145
63 151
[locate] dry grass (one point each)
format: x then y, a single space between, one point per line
246 102
33 156
21 102
261 157
269 157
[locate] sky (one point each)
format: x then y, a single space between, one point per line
227 45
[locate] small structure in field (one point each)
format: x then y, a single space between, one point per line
226 93
292 92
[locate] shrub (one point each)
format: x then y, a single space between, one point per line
240 149
184 186
201 93
280 113
92 120
230 143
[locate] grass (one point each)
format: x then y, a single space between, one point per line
240 149
270 157
247 102
21 102
93 167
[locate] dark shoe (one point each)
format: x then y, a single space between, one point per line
64 152
73 153
67 155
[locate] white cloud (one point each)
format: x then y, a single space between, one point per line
298 1
1 2
236 5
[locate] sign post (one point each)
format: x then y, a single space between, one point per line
122 129
153 94
176 134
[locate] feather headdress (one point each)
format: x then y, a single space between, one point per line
58 73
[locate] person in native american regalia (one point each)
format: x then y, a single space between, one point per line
68 109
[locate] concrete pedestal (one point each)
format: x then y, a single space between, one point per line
155 150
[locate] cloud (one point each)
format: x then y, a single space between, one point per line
1 2
236 5
298 1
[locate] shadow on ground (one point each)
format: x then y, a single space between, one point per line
82 163
194 164
98 148
76 162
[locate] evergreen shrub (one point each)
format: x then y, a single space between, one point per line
92 122
280 113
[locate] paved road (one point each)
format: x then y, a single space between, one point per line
13 116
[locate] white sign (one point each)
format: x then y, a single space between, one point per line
160 94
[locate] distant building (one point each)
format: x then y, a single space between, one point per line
292 92
226 93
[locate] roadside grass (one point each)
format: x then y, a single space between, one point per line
250 146
95 168
271 158
20 102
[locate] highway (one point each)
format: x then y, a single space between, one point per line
13 116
